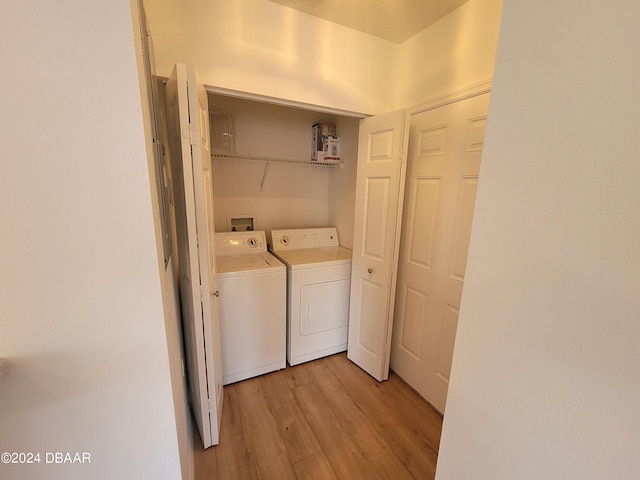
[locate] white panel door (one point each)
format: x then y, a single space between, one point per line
382 147
188 118
442 176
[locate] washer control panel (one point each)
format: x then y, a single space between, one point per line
239 243
300 238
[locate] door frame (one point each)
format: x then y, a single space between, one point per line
453 97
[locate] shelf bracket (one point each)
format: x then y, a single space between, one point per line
264 175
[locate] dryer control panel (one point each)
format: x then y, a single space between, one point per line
297 239
239 243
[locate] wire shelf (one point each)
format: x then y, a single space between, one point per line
275 160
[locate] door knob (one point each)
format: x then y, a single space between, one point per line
216 293
370 270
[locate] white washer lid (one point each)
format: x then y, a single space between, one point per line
249 264
315 257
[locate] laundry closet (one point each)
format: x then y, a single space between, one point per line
265 174
270 182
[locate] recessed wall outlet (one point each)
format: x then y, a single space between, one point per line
240 223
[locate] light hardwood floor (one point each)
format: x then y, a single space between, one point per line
324 419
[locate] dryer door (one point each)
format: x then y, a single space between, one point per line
317 315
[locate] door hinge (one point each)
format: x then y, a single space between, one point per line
194 136
186 133
191 133
210 406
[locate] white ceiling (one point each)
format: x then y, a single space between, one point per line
393 20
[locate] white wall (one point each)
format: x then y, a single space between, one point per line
452 54
309 60
546 366
82 321
261 47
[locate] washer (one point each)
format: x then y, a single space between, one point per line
252 306
318 283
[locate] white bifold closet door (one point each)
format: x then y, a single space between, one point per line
382 147
442 177
188 125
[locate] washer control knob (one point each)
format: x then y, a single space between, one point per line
284 240
253 243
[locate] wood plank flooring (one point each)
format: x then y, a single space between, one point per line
324 419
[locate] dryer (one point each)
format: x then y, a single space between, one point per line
318 285
252 306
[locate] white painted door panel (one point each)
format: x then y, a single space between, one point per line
188 115
382 147
442 177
